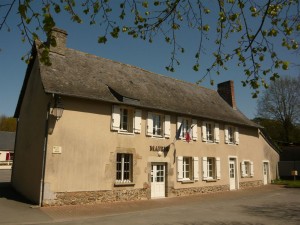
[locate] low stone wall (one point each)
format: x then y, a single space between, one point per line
92 197
198 190
250 184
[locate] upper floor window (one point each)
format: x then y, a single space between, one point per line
126 119
231 135
210 132
187 128
158 125
126 123
211 168
187 168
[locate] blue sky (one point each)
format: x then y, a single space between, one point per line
153 57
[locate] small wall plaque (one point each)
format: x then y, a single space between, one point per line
56 150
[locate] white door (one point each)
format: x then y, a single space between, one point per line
266 172
157 180
232 175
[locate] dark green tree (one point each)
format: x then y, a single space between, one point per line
280 103
255 27
8 124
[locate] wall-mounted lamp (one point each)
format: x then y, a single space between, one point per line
58 108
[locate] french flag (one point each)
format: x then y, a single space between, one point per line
188 134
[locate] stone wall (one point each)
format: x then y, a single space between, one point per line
250 184
198 190
92 197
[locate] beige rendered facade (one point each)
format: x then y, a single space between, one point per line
104 150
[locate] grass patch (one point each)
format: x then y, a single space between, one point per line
288 183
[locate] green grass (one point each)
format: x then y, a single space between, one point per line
288 183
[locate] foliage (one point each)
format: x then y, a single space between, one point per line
288 183
281 104
255 26
276 131
8 124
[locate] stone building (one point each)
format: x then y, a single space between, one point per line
128 134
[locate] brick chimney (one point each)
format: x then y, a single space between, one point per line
226 91
61 39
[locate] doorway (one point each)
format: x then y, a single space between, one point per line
158 184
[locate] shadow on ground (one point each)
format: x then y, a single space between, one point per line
217 223
6 191
282 211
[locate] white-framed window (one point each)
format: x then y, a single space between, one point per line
188 128
126 119
231 135
124 168
210 132
187 168
158 125
247 169
211 168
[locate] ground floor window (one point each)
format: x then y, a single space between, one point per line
211 168
247 168
187 168
124 168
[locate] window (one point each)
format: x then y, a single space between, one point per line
231 135
126 123
210 132
188 128
187 168
247 168
124 168
126 119
158 125
211 168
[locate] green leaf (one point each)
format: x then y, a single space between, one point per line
102 39
57 8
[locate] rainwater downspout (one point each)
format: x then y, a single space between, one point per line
44 156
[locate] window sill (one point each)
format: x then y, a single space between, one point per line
187 181
125 132
211 180
123 184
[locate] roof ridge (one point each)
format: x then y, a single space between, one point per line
136 67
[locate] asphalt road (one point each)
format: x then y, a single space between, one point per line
257 206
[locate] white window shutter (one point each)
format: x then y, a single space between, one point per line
218 164
217 133
179 122
204 168
226 135
179 168
194 130
196 168
149 125
204 137
137 121
167 128
251 169
115 117
243 168
236 136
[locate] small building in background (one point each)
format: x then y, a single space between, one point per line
7 143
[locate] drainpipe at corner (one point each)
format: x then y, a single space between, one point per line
42 184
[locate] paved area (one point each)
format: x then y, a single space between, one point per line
257 206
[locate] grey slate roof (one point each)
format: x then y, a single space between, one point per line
88 76
7 140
